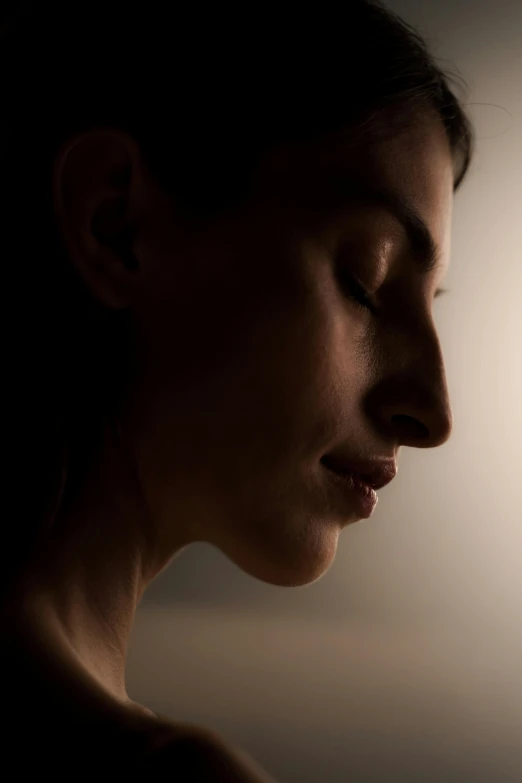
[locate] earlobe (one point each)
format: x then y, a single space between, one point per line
94 176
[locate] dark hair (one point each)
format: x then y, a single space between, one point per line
204 98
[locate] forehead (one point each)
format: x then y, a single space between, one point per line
413 164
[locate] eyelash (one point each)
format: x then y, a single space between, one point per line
357 293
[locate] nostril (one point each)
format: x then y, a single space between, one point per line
409 428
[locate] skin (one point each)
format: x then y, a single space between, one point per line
253 361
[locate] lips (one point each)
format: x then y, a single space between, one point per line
375 474
356 483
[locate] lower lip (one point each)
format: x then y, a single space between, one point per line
360 494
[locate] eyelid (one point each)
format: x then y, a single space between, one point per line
356 291
377 253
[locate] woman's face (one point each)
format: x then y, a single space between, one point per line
286 340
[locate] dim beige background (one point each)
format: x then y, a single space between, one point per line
404 663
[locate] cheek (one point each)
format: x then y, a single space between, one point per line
260 366
301 371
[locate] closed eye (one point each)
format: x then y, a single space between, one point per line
356 291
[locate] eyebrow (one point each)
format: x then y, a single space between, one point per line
424 248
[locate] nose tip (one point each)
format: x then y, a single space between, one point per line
412 413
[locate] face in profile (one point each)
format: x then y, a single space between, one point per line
285 349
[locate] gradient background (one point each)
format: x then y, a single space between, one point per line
404 663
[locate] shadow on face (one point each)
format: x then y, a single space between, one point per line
286 332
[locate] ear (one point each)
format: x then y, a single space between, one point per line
95 179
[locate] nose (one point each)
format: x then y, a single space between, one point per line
411 405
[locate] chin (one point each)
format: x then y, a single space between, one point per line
291 561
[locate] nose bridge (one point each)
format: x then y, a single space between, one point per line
413 400
427 364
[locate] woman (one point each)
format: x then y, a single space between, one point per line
223 242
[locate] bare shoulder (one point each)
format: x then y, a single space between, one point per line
200 754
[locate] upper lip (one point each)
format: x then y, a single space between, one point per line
376 473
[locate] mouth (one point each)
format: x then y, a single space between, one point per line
359 481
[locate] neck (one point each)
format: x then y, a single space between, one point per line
81 596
